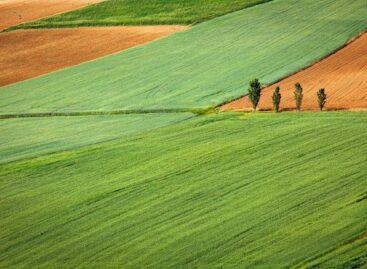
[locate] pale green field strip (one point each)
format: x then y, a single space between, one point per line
216 191
201 67
30 137
142 12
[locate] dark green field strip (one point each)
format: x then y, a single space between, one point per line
31 137
225 190
142 12
201 67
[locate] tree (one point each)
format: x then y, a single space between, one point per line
321 98
276 99
298 96
254 93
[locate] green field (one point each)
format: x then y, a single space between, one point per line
142 12
31 137
122 162
226 190
201 67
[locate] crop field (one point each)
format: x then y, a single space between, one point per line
204 66
143 12
31 137
219 190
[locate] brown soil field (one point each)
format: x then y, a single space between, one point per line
29 53
342 74
13 12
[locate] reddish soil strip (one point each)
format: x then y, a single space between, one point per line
343 75
29 53
13 12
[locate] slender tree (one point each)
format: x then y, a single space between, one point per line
321 98
254 93
276 99
298 96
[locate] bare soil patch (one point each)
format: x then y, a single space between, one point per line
29 53
13 12
343 75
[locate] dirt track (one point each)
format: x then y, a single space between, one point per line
13 12
29 53
343 75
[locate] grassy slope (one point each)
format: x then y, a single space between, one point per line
201 67
229 189
132 12
29 137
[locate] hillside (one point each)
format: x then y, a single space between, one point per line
126 161
224 190
201 67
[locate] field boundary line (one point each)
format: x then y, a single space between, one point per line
197 111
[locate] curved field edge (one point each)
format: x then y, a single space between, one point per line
148 12
196 68
217 190
342 73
